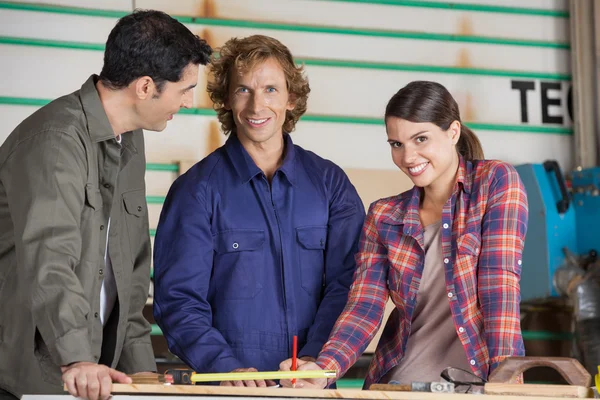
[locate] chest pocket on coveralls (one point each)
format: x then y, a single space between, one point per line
238 263
311 257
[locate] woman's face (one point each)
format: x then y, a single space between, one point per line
423 151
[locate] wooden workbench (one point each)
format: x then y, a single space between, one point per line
163 392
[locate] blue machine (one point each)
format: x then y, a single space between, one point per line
553 226
586 201
560 220
561 247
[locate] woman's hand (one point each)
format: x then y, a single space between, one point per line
303 364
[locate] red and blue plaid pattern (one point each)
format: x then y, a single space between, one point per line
483 231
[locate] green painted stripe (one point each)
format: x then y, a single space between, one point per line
23 101
50 43
374 32
557 130
162 167
339 119
328 62
432 69
233 23
152 232
205 112
89 12
350 383
155 199
464 7
527 335
156 331
545 335
94 12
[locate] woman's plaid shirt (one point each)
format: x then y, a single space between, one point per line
483 231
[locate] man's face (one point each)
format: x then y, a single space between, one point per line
259 100
160 108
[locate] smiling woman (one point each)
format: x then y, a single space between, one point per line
447 253
427 138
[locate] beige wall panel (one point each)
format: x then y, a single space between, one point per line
53 26
187 137
159 182
407 51
316 45
376 16
386 17
373 184
123 5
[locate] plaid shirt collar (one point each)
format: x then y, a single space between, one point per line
407 211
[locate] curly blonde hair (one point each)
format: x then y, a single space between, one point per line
243 55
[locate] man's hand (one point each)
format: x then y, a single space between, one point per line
257 383
91 381
303 364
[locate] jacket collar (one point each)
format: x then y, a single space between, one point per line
99 127
247 169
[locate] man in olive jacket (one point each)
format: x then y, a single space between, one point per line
74 239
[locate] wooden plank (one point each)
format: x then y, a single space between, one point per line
302 393
562 391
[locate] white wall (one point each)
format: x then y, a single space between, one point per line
476 54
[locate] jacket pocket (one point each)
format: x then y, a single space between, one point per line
469 243
136 220
239 262
135 203
311 257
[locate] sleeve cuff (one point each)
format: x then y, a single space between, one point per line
494 363
137 357
72 347
329 365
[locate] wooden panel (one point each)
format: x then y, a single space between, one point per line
304 393
79 28
538 390
349 14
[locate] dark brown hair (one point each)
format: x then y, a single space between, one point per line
150 43
425 101
240 56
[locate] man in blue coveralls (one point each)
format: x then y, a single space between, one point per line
256 242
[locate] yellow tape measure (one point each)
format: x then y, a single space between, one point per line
261 375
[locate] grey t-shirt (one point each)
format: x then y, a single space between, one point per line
433 343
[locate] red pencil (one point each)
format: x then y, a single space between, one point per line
294 356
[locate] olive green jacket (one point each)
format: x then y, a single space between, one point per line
62 175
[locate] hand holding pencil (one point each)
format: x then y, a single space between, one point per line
302 364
